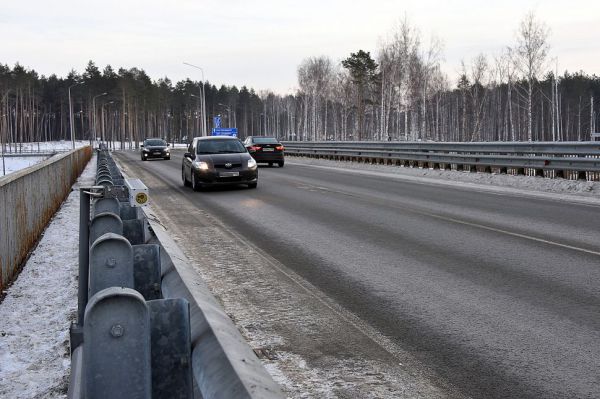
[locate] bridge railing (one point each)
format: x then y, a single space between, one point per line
575 160
147 325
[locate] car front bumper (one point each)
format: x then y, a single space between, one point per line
152 154
216 177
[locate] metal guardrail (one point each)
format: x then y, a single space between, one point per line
147 326
578 157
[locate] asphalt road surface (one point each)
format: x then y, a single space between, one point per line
499 295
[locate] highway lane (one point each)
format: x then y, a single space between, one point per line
497 294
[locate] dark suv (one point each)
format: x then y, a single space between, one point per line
265 149
155 148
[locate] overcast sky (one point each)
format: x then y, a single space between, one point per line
261 43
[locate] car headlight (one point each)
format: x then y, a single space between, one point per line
200 165
251 163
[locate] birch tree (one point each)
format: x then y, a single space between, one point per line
531 52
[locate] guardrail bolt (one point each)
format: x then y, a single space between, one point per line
111 262
117 331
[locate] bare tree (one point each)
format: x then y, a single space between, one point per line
530 57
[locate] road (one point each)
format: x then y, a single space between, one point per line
495 295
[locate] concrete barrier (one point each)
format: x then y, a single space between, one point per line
28 200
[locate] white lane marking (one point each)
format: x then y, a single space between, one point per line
496 190
463 222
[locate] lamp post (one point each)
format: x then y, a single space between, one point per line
71 115
94 114
102 116
202 99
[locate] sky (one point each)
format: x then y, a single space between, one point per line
260 43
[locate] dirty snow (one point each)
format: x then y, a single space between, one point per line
39 307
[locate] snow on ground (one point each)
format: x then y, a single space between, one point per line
13 164
39 307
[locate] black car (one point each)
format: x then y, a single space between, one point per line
265 149
155 148
218 160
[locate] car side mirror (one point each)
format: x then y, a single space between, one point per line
187 155
141 146
168 144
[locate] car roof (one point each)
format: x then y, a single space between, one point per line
216 138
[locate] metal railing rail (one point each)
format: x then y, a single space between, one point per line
579 157
147 325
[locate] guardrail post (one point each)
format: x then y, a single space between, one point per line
117 360
146 270
171 349
111 263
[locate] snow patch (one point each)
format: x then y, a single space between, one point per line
39 307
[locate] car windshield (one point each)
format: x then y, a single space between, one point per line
152 143
265 140
220 147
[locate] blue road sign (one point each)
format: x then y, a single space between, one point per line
217 122
225 131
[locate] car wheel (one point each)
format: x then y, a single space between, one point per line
195 185
143 159
280 163
270 164
185 182
167 158
252 185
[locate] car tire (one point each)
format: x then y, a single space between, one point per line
143 159
270 164
167 158
252 185
280 163
195 185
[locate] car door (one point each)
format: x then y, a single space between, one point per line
187 162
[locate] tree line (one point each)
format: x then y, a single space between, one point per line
400 94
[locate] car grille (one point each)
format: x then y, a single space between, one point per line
233 166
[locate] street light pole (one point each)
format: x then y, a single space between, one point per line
94 114
71 115
202 99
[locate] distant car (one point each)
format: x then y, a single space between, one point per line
218 160
265 149
155 148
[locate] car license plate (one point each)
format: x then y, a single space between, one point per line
156 152
229 174
268 149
